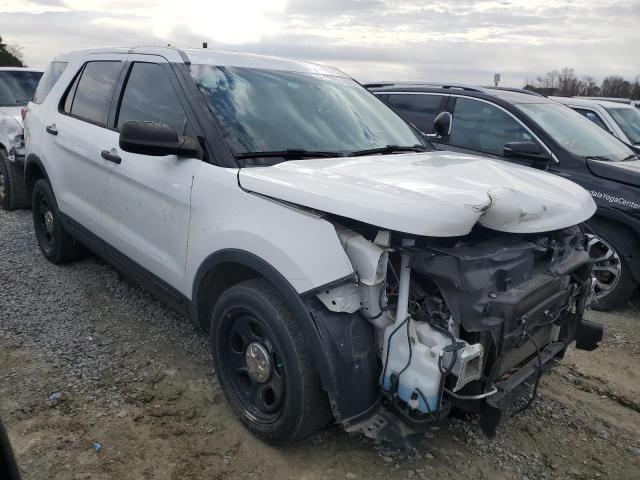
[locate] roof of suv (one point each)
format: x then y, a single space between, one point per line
19 69
213 57
509 95
589 102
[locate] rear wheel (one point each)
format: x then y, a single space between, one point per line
55 243
614 282
264 365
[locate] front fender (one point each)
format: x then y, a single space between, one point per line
342 345
298 252
303 247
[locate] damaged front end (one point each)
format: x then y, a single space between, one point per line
466 322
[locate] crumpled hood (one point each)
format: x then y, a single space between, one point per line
439 194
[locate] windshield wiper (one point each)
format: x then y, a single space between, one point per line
633 156
597 157
388 149
289 153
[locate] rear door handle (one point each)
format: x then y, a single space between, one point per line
52 129
111 156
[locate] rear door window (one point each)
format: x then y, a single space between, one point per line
149 96
91 98
419 109
484 127
48 80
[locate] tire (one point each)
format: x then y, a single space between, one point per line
615 283
8 466
55 243
13 191
282 401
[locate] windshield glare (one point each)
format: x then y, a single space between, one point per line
16 87
270 110
575 133
628 119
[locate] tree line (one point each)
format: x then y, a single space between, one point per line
10 55
565 83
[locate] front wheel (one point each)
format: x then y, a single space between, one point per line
264 365
614 282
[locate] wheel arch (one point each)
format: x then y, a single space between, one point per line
342 345
34 170
222 270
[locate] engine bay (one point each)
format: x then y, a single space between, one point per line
465 322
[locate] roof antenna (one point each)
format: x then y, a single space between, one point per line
204 44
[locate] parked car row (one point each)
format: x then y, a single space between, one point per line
619 119
343 266
532 130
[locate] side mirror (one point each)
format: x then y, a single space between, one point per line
528 150
155 138
442 124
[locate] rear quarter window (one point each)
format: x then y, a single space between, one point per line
48 80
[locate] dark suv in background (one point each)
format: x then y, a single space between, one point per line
529 129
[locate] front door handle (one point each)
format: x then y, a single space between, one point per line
52 129
111 156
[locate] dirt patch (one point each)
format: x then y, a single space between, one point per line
99 380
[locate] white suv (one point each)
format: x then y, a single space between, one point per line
342 266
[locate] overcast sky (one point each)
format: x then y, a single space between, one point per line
455 40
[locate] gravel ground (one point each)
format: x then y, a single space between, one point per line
100 380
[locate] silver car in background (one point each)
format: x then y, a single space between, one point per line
620 119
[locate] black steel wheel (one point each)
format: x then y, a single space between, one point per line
264 366
44 225
251 356
55 243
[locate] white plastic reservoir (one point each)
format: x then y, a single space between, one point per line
422 372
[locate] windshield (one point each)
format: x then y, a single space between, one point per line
628 119
17 87
277 111
575 133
